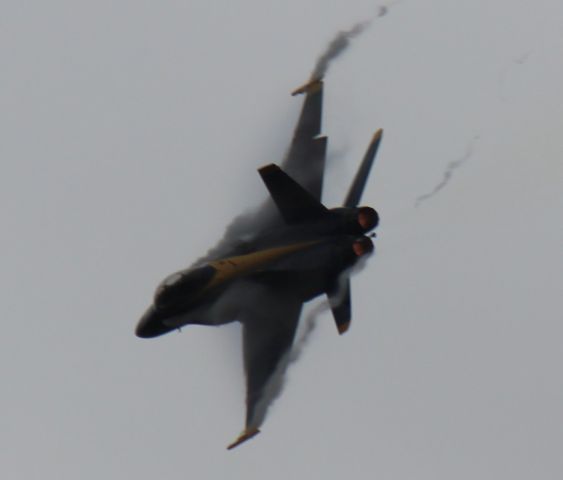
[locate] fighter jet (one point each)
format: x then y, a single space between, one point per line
292 250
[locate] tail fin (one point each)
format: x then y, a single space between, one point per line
357 188
294 203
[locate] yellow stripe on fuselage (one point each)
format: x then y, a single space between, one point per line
232 267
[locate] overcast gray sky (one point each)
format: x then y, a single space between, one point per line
131 131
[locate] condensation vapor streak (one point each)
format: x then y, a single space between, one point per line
341 42
336 47
448 173
309 325
274 387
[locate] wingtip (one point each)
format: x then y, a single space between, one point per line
243 437
377 136
343 328
267 169
310 87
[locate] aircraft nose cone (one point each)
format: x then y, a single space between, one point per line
150 325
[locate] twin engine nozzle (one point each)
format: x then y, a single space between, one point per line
368 218
362 246
354 220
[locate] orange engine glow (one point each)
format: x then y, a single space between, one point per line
362 246
368 218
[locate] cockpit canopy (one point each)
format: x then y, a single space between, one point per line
180 287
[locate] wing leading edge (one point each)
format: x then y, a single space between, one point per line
305 159
268 334
304 162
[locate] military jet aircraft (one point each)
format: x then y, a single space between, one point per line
292 250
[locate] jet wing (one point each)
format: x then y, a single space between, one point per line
268 333
304 162
305 159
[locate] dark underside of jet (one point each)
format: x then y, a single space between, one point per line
290 251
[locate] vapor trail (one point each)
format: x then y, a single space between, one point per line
276 383
448 173
310 323
342 41
336 47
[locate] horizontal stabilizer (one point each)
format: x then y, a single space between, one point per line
341 306
244 436
294 203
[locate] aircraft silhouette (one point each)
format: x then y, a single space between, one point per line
290 251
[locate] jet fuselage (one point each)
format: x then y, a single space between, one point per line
268 265
308 266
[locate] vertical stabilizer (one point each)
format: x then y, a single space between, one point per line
357 188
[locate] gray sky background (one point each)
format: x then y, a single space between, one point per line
131 131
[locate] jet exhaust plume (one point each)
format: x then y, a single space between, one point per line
448 173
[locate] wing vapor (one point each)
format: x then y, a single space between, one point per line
268 332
